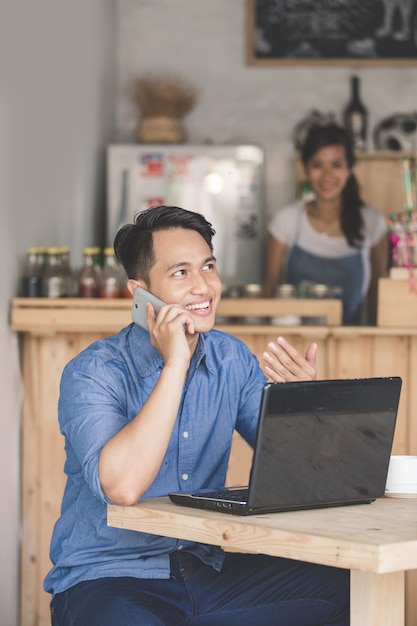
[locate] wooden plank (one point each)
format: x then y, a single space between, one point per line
54 354
46 316
390 357
397 303
329 308
376 599
411 598
411 577
31 442
43 457
338 536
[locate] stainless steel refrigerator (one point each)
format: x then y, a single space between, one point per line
224 183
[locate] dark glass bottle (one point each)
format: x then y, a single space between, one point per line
32 273
355 116
88 277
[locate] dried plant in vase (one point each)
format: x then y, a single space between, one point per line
163 102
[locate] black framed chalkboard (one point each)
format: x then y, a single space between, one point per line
332 31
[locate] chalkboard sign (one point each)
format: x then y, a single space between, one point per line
332 31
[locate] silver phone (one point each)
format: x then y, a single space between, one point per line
140 298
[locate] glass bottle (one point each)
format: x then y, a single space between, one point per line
124 291
110 284
88 277
53 276
32 274
95 250
356 116
67 271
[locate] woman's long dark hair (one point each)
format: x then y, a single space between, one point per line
333 135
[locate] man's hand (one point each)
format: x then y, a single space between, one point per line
167 332
283 363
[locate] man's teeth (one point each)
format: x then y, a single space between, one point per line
193 307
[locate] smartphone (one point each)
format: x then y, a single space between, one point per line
140 298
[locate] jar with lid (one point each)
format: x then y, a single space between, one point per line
317 290
286 291
53 276
31 286
253 290
88 277
110 278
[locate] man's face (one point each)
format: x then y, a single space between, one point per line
185 273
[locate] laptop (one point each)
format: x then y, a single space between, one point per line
318 444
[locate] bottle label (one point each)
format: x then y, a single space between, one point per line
88 291
55 287
357 127
32 286
110 287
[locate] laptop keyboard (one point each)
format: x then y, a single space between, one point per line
236 495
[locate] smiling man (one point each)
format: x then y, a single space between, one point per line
150 411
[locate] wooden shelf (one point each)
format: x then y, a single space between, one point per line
50 315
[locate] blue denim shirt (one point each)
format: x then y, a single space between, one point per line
102 389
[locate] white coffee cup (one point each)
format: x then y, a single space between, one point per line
402 474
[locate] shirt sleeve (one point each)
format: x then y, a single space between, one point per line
375 225
283 224
250 397
90 414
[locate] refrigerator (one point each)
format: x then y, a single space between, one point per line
224 183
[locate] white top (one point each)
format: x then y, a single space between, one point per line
286 222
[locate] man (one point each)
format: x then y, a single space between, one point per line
146 412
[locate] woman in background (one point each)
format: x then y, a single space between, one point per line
333 239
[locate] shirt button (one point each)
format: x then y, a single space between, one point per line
180 547
185 476
185 434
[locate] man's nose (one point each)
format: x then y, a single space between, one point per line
200 284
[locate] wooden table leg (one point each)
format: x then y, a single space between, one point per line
376 599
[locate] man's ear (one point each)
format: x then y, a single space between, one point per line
132 283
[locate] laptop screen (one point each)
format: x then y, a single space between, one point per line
324 441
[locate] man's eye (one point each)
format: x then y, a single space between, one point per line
209 266
179 273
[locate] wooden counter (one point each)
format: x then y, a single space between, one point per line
54 331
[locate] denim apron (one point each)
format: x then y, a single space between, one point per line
345 272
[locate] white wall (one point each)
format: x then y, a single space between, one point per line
204 41
56 68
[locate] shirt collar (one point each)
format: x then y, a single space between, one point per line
147 359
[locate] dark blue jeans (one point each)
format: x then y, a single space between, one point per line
251 590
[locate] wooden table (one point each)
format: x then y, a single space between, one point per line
377 542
